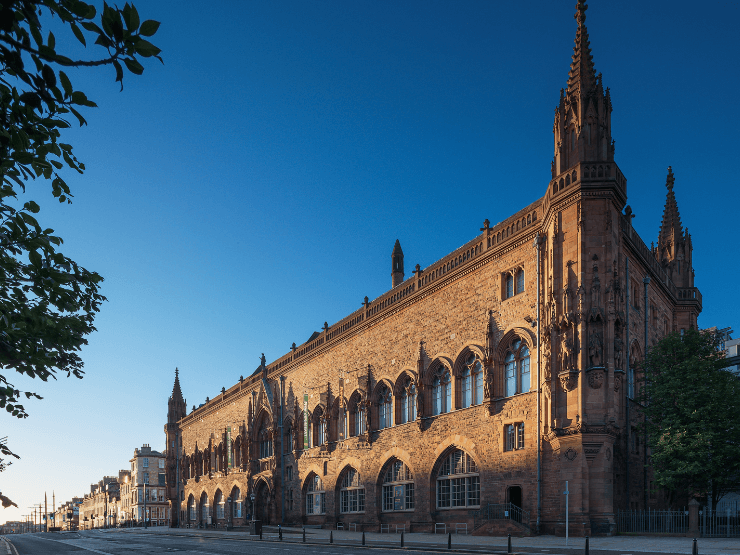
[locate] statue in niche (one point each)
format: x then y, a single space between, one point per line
618 352
566 353
419 400
596 290
595 346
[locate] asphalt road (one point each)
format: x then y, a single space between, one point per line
114 542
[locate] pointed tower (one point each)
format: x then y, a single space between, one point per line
674 248
176 410
397 264
583 116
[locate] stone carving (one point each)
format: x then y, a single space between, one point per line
568 380
617 383
596 290
595 349
566 353
571 454
595 379
618 345
608 454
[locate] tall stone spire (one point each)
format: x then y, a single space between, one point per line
397 264
582 125
674 250
176 404
670 227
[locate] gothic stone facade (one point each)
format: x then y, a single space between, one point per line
422 406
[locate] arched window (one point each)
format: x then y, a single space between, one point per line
315 496
218 501
520 281
408 402
236 503
458 482
204 508
471 381
342 430
193 509
352 493
265 444
359 417
508 286
398 488
385 408
320 423
441 392
516 367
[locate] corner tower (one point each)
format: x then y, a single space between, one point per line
175 412
583 116
397 264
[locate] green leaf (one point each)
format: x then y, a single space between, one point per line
32 207
146 48
134 66
149 28
49 77
66 83
78 34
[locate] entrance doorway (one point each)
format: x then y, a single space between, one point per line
514 493
262 503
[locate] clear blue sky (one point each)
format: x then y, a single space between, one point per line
252 187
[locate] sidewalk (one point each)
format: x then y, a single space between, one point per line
624 544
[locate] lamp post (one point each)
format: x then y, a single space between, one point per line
566 493
228 516
251 498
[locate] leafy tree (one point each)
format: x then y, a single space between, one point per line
48 301
692 409
3 466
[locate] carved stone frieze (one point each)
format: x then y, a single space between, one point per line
596 377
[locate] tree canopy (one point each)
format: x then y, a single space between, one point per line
692 409
47 301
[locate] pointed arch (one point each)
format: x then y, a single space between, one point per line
405 392
469 376
350 491
455 477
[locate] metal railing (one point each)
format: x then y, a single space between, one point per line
494 511
653 521
722 522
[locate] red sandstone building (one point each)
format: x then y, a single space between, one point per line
481 383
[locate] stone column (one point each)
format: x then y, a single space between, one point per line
693 519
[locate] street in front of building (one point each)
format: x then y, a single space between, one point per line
159 540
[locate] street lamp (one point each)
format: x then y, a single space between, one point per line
251 498
231 510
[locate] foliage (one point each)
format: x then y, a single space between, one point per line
48 301
6 452
692 407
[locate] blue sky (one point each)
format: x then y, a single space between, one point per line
253 186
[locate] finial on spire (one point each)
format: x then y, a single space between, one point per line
670 180
580 15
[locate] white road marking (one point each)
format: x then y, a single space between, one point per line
75 543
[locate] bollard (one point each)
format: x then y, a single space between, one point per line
586 552
449 540
363 538
260 532
304 535
280 533
509 548
401 539
331 536
695 548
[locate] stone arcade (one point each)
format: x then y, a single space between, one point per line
422 406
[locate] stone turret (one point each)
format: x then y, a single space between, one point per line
397 264
674 249
582 125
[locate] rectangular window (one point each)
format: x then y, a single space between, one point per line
288 473
409 496
520 281
458 492
161 463
146 477
520 435
509 437
473 484
509 284
162 479
146 463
